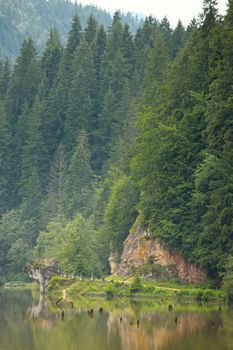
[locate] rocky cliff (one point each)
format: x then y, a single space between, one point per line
42 270
151 259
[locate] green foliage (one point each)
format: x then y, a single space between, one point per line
50 241
227 283
146 125
16 243
78 182
58 282
81 94
74 245
136 285
120 212
21 19
79 252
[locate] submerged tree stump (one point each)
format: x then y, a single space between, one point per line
42 270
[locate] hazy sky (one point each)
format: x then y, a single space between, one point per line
173 9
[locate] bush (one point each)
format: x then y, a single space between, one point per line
57 282
136 285
227 284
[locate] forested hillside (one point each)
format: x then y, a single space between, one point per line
114 126
20 19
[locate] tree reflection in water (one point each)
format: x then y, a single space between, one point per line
25 324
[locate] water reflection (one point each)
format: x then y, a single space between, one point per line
36 324
41 309
156 331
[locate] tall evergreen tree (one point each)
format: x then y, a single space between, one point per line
8 200
74 37
166 31
216 224
51 57
30 208
78 181
143 42
91 29
55 188
178 38
81 95
115 35
34 149
210 13
5 74
24 82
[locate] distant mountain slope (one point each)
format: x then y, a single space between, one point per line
22 18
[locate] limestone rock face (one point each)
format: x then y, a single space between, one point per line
42 270
142 253
113 262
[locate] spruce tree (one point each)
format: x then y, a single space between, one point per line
51 57
34 149
178 38
24 82
215 242
81 96
74 37
91 29
55 188
79 180
5 73
7 187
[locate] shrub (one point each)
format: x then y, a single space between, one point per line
227 284
136 285
57 282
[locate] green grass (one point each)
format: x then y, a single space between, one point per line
20 285
115 286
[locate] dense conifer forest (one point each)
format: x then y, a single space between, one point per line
112 126
20 19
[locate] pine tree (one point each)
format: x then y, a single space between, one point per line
115 105
58 99
115 35
74 37
51 57
24 82
128 50
5 74
7 195
55 190
143 42
166 32
78 181
210 13
99 49
215 242
34 150
178 38
155 72
30 208
91 29
81 96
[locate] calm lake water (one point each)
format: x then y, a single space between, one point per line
27 323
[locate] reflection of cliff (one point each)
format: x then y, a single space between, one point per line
154 333
41 315
38 310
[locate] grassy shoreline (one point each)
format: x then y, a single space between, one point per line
115 286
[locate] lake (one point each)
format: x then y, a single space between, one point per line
28 323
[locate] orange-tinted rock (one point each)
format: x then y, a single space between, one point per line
140 249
